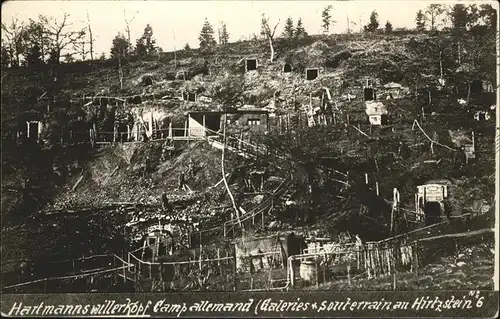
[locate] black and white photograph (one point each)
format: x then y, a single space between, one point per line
248 147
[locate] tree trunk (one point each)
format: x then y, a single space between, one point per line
91 45
430 96
120 71
224 173
272 49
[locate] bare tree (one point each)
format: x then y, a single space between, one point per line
91 39
127 25
60 35
14 35
268 33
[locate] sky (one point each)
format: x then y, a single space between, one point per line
176 23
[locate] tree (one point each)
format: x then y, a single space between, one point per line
223 34
15 38
187 47
265 30
326 19
60 35
33 56
146 44
473 16
458 16
388 27
5 57
127 27
102 57
300 32
373 25
91 38
120 46
420 21
489 15
68 58
433 12
37 35
206 37
81 48
288 30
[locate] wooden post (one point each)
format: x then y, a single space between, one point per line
291 273
473 143
170 129
376 187
262 219
324 270
366 178
201 249
394 281
317 275
349 273
234 268
218 260
347 119
185 128
204 127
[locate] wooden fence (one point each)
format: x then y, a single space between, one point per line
385 258
201 274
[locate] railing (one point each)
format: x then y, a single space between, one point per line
201 274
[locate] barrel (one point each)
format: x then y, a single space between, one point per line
308 270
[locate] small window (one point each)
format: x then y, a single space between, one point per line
152 241
287 68
311 74
253 122
251 64
369 94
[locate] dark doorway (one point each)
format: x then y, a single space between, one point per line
476 87
33 130
432 212
311 74
287 68
122 132
369 94
147 81
251 64
191 97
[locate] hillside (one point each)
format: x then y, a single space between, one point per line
418 144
